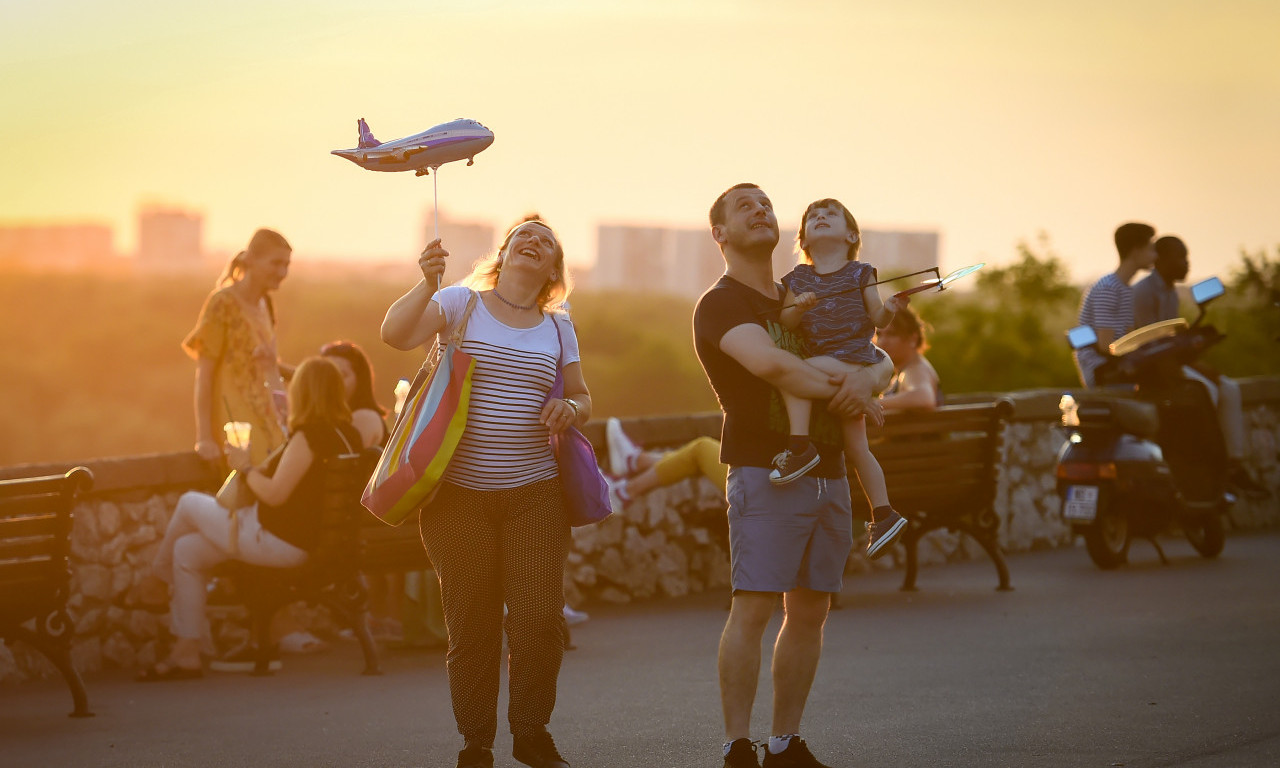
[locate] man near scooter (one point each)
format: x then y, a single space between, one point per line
1155 299
1107 307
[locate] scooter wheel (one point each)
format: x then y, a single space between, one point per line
1108 541
1207 535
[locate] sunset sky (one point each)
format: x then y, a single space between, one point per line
988 121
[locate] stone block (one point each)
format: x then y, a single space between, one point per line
85 538
613 595
585 575
160 509
118 651
117 617
586 538
148 591
121 579
109 519
90 622
611 567
143 625
93 581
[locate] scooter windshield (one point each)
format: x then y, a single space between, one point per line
1147 334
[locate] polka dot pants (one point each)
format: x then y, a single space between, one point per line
492 548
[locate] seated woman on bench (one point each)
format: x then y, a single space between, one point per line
915 385
277 531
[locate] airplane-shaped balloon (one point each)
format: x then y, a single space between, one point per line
460 139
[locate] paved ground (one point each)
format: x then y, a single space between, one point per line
1145 667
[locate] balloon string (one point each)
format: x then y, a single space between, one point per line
435 212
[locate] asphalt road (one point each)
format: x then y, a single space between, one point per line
1145 667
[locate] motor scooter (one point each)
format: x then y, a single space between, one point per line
1144 450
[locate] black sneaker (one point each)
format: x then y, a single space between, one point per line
537 751
796 755
475 757
883 533
742 754
243 658
792 466
1243 480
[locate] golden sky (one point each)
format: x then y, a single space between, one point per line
989 120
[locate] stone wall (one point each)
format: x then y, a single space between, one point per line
669 543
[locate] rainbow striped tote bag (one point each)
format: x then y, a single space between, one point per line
426 432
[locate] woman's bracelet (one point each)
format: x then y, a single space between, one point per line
574 405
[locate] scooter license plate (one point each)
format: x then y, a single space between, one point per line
1081 503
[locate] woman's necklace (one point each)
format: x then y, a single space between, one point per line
512 304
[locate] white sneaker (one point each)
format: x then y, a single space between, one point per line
618 498
572 617
622 452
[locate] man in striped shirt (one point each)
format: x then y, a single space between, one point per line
1108 305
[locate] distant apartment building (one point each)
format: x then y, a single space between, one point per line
655 260
466 241
170 238
900 253
685 262
56 246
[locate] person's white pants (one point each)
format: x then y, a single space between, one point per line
197 539
1226 397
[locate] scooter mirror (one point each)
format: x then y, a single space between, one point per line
1081 336
1206 291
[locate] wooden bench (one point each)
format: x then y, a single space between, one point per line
352 543
940 468
35 576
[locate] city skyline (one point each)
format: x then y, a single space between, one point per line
987 124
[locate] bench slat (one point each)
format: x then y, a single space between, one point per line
30 525
33 569
26 547
964 450
31 503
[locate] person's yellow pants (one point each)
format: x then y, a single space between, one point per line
699 456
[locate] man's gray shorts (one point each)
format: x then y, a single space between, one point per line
786 536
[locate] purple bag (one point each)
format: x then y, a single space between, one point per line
586 492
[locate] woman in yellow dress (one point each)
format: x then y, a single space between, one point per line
238 375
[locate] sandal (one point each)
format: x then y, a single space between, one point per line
159 674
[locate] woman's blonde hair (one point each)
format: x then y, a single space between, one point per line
484 275
829 202
316 395
263 241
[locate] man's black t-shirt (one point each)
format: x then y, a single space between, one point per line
755 420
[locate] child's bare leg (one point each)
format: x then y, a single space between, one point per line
864 462
798 410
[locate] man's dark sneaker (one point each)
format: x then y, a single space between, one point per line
537 750
1243 480
796 755
742 754
790 466
473 756
883 533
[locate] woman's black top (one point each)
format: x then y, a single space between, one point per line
296 520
